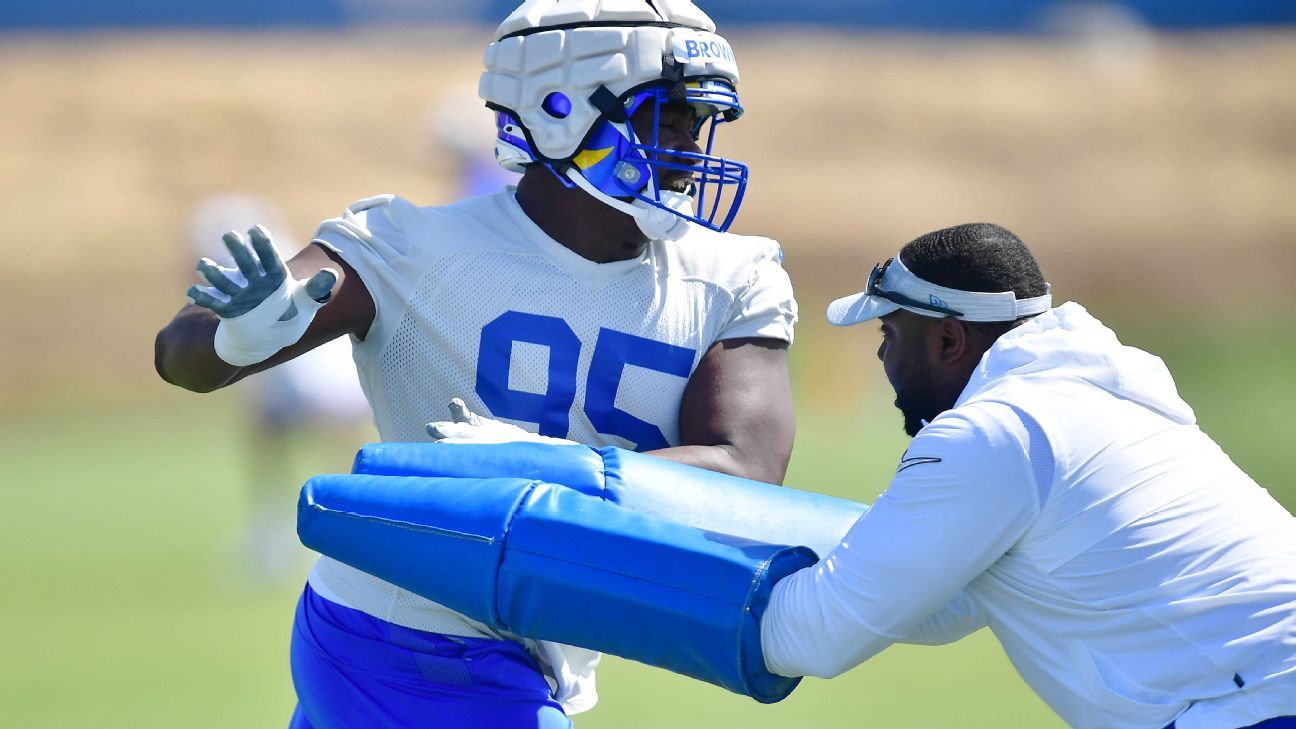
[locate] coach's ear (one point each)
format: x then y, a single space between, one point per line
953 342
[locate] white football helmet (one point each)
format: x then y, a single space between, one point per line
564 78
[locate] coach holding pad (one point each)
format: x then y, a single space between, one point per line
1059 491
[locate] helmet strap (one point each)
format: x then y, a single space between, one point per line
609 105
656 223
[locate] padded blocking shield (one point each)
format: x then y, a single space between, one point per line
638 482
574 466
549 562
442 538
584 571
724 503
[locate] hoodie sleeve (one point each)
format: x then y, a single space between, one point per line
958 619
963 494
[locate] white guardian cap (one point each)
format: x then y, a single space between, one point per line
564 78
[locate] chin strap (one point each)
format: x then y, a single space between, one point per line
655 222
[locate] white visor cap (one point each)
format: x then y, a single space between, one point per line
893 286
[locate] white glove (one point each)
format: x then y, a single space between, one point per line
262 308
465 426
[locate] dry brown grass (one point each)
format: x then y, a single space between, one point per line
1136 178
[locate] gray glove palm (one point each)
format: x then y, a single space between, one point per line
260 272
262 308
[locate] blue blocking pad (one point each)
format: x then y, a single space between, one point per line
583 571
442 538
729 504
641 483
574 466
549 562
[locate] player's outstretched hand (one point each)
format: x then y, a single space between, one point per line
465 426
262 308
260 272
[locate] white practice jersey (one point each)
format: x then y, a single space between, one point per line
1133 573
473 300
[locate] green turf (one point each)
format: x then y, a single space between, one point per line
123 607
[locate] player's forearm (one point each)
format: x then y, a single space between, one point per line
767 467
184 355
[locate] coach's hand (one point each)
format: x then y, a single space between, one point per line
262 308
465 426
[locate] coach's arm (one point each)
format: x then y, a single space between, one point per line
902 572
736 414
184 352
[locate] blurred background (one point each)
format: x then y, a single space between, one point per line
1145 150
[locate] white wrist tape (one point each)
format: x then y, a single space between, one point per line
256 335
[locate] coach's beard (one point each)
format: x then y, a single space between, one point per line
917 399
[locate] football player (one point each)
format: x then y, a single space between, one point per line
600 300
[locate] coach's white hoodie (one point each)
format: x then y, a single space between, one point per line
1133 573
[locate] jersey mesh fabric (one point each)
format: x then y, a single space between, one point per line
451 284
437 340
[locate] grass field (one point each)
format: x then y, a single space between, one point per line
123 607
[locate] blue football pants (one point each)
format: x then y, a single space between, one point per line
354 671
